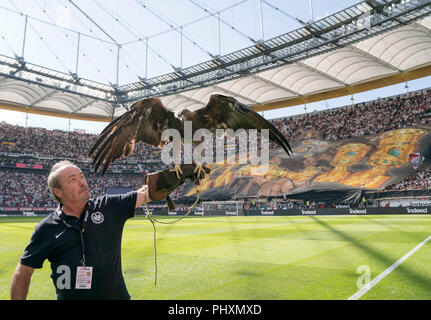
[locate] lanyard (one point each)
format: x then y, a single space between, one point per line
81 232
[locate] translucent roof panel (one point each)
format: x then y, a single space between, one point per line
335 66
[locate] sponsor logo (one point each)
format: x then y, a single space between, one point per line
417 210
270 213
308 211
342 206
231 213
58 235
358 211
97 217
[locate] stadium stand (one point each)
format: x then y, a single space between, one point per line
363 118
26 154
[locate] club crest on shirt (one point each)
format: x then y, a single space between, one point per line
97 217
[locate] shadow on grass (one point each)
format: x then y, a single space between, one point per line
414 277
387 225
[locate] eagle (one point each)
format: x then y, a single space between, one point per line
148 118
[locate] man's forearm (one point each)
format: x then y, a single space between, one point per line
20 283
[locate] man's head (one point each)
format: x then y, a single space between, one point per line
67 183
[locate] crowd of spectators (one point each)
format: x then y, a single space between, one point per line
30 189
11 194
44 147
415 110
367 118
421 180
58 143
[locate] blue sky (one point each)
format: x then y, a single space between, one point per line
53 27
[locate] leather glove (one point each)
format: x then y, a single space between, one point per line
162 183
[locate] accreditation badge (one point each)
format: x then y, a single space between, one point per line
83 277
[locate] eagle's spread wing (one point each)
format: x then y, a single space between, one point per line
224 112
147 119
144 122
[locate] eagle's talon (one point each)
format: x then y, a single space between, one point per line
199 171
178 171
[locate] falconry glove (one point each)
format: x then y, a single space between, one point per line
162 183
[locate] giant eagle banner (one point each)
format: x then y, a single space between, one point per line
363 163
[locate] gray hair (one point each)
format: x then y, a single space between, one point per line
53 181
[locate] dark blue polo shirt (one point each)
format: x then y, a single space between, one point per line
58 239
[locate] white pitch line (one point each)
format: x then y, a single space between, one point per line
377 279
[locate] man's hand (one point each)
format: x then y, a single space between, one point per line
162 183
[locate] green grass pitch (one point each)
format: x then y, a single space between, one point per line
263 258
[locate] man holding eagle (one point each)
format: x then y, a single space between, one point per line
82 238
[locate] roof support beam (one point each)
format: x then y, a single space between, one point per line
323 74
276 85
377 59
233 93
89 103
43 97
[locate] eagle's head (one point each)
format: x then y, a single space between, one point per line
183 113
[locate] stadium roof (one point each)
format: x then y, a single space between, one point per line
369 45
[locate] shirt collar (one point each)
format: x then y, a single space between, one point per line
67 218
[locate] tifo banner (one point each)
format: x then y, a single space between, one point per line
366 163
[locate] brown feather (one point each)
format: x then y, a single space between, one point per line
224 112
144 122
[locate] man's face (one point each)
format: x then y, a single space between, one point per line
74 187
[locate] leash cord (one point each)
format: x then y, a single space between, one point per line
150 217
